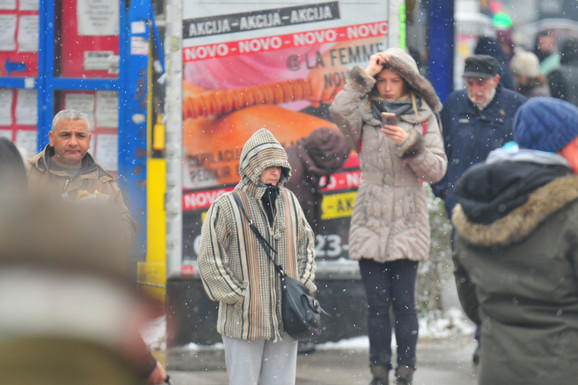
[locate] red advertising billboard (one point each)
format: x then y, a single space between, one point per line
251 65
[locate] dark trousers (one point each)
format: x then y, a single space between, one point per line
390 284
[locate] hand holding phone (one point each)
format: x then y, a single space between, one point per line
389 119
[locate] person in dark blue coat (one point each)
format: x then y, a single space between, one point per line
475 121
489 46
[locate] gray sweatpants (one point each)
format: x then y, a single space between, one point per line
249 362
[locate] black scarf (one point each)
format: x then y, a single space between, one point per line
269 199
398 107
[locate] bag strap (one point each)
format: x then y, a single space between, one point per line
266 245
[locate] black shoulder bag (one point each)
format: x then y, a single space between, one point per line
300 311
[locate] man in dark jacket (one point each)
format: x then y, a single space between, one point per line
475 121
65 169
516 249
564 80
72 311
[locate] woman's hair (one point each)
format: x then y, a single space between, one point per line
12 169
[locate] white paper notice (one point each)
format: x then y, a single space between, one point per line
107 151
8 32
97 60
8 4
26 140
29 5
107 109
139 46
26 107
28 34
98 17
6 134
6 99
80 102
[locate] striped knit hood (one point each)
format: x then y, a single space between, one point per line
262 150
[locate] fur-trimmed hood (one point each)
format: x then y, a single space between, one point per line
519 197
402 63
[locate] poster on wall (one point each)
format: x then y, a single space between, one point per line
18 38
251 65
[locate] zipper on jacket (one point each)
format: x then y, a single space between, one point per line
274 277
66 183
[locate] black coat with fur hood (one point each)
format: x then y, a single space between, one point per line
320 154
516 268
390 218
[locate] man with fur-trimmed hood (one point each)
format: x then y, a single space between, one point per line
389 232
236 271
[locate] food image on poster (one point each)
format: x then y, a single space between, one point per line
257 65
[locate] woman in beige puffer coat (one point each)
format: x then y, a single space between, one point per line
389 232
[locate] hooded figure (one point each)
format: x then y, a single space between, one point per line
320 154
389 232
12 171
236 271
564 80
390 219
489 46
516 249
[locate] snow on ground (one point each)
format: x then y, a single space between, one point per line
449 323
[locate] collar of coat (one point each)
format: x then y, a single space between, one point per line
523 220
89 165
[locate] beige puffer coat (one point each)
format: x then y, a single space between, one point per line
390 219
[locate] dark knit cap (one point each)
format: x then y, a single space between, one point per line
327 148
481 66
545 124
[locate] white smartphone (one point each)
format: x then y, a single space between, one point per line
389 118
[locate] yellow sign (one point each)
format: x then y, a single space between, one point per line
338 205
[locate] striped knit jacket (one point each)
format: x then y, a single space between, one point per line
234 266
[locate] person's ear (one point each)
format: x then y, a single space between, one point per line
497 79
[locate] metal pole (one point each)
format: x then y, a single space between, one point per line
441 46
132 129
174 134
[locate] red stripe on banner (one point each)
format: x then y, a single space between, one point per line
343 181
202 199
291 40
